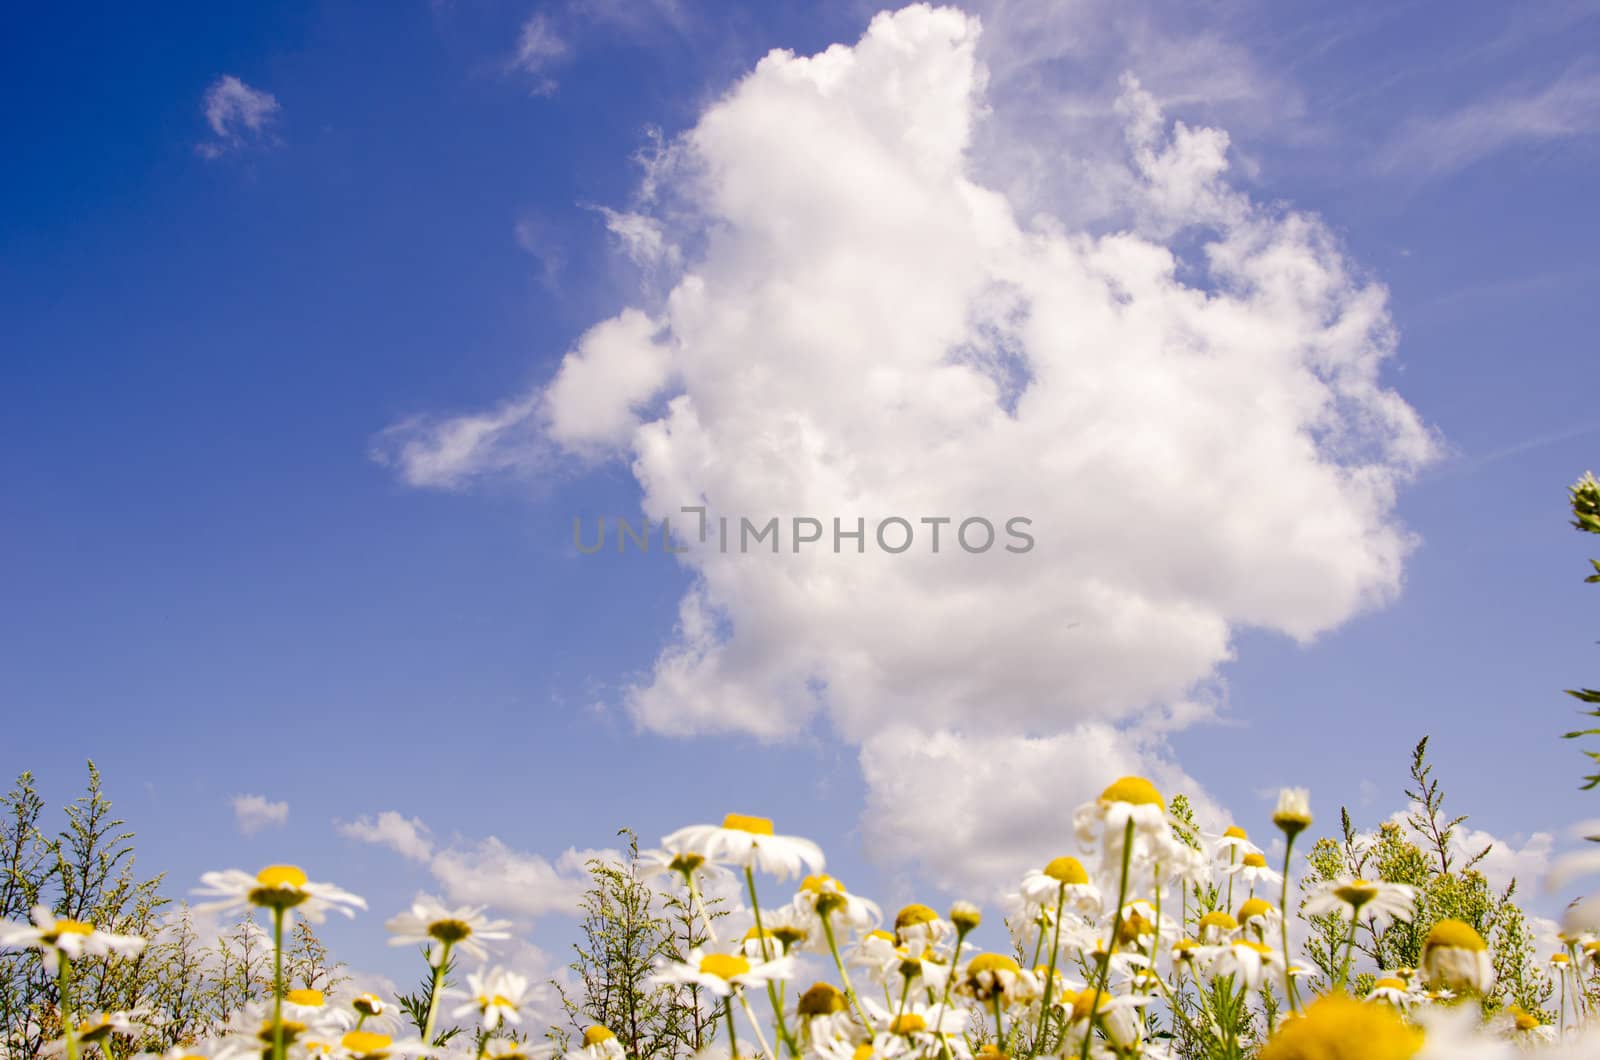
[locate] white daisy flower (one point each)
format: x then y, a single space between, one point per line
97 1029
919 923
1234 843
920 1029
276 887
750 843
1065 880
994 974
1455 957
372 1045
510 1049
1258 914
1118 1017
1380 902
1392 990
823 896
497 996
1246 961
1253 869
722 973
599 1043
1130 799
1217 927
52 935
430 923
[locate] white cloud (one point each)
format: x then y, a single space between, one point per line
540 47
485 871
446 453
1188 405
252 813
237 115
406 836
1431 146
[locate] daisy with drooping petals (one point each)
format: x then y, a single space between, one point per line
1234 843
917 1029
1258 914
919 923
1456 957
1130 800
430 923
55 936
750 843
823 896
599 1043
1246 961
1392 990
1062 880
280 888
497 996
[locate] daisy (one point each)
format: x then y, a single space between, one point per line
1392 990
97 1029
1356 898
825 1018
371 1045
1246 961
919 923
687 868
510 1049
990 975
918 1029
1456 957
1259 914
54 936
722 973
497 995
1293 814
311 1008
440 929
1253 868
748 842
1235 843
822 896
1340 1026
1216 927
276 887
1117 1016
599 1043
1129 800
1063 880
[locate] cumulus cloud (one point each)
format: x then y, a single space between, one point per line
237 114
252 813
486 871
1188 405
406 836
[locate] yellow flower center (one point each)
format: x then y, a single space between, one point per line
991 962
914 914
739 822
1356 893
281 876
820 884
1235 832
723 965
908 1023
1067 870
863 1052
1084 1004
822 1000
1219 920
1255 861
365 1043
597 1034
1560 958
1389 983
1338 1027
70 927
1252 908
686 863
449 930
1456 934
1525 1021
1136 791
305 998
279 887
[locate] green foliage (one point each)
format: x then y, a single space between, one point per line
1585 500
180 984
1423 853
628 927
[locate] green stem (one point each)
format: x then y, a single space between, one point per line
844 976
1283 924
944 998
434 991
1050 977
277 984
999 1020
733 1036
1104 972
69 1026
1349 948
766 955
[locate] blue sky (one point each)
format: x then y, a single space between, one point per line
212 587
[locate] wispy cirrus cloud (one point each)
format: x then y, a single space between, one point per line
237 115
1434 145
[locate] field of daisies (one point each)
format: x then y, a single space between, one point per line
1141 936
1149 939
